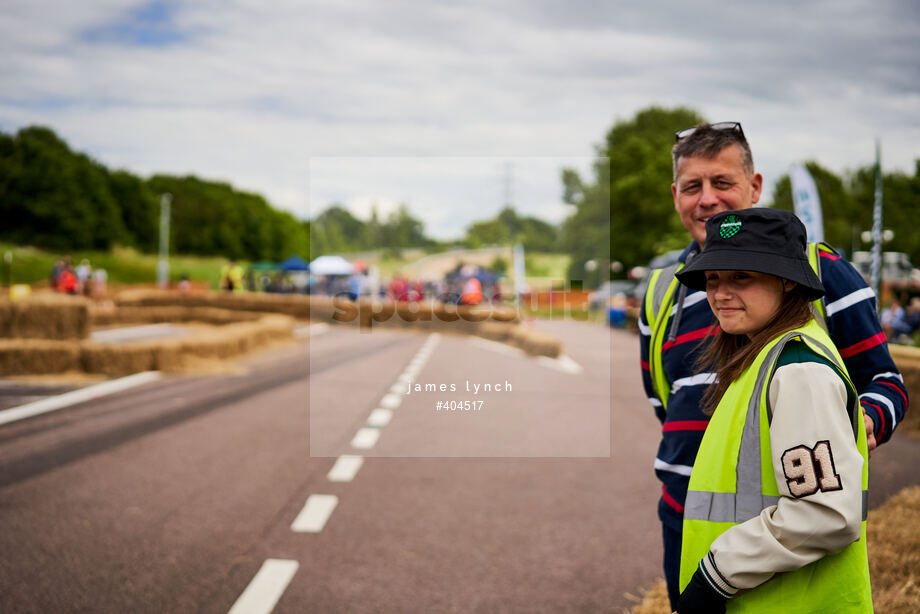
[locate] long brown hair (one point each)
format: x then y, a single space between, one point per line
729 355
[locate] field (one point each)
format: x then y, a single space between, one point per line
127 266
123 265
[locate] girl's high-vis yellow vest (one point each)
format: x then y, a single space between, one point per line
733 481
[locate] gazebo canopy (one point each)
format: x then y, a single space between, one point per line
331 265
294 263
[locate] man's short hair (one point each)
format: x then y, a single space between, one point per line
708 142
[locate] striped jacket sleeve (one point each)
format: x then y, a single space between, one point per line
853 324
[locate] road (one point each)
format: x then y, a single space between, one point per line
312 482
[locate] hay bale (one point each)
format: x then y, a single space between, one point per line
294 305
118 359
170 313
45 316
495 331
654 601
894 553
535 342
908 361
37 356
169 354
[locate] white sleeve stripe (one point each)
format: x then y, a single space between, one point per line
694 380
655 402
714 577
884 401
896 376
660 465
645 329
850 299
692 298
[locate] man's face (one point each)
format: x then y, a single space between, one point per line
707 186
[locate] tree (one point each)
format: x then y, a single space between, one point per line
53 197
900 196
840 210
847 206
626 213
508 227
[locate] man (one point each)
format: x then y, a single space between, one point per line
714 172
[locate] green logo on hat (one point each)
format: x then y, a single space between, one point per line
730 227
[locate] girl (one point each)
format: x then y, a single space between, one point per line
775 510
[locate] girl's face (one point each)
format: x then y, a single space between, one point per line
744 301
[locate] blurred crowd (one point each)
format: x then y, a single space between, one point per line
899 323
464 285
79 280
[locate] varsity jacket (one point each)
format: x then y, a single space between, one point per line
852 323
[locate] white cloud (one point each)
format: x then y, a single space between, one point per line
257 93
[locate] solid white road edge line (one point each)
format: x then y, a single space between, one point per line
345 468
77 396
312 518
266 588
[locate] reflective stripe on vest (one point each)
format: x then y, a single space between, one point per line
748 501
659 299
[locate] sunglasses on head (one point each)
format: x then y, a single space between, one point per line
717 126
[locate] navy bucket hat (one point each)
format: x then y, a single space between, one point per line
759 239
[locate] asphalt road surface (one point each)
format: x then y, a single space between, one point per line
313 483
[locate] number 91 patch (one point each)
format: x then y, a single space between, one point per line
809 470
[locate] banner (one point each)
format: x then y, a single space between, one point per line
807 203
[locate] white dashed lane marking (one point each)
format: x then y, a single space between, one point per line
380 417
266 588
391 401
312 518
345 468
365 439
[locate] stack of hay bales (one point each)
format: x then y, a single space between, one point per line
231 339
49 334
497 322
47 316
41 334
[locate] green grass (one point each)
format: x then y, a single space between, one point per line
547 265
123 265
564 313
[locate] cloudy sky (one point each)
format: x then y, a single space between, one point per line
436 104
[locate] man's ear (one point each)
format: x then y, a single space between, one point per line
757 185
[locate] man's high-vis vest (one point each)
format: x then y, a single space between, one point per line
733 481
660 294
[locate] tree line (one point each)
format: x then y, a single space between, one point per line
337 230
60 199
56 198
53 197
